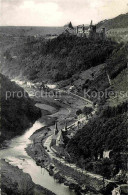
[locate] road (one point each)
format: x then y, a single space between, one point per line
51 151
53 154
69 92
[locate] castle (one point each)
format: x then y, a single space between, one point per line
84 31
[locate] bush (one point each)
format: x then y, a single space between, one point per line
78 112
87 110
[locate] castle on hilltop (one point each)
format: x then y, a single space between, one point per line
84 31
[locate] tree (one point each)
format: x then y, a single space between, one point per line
106 168
78 112
87 110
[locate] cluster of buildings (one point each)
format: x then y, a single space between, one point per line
58 138
84 31
61 137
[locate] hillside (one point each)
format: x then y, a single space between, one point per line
16 182
106 132
119 85
24 50
18 111
56 59
116 28
120 21
80 85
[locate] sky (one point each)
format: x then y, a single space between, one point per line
58 12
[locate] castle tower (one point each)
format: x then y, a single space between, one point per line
91 23
92 30
83 28
77 30
56 128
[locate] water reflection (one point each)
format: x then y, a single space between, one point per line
16 155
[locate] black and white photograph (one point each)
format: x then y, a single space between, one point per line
63 97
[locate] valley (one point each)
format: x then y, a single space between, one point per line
64 111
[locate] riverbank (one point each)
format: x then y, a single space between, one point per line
65 173
15 181
60 172
16 155
18 112
52 110
70 175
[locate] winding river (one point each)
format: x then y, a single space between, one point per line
16 155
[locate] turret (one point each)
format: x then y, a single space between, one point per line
83 28
92 30
77 30
91 23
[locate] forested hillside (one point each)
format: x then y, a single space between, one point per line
107 132
18 111
120 21
118 60
56 59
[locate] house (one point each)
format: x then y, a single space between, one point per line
106 154
72 88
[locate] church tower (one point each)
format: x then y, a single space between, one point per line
56 129
92 30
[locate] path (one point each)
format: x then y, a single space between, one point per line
52 152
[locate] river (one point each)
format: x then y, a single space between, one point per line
16 155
